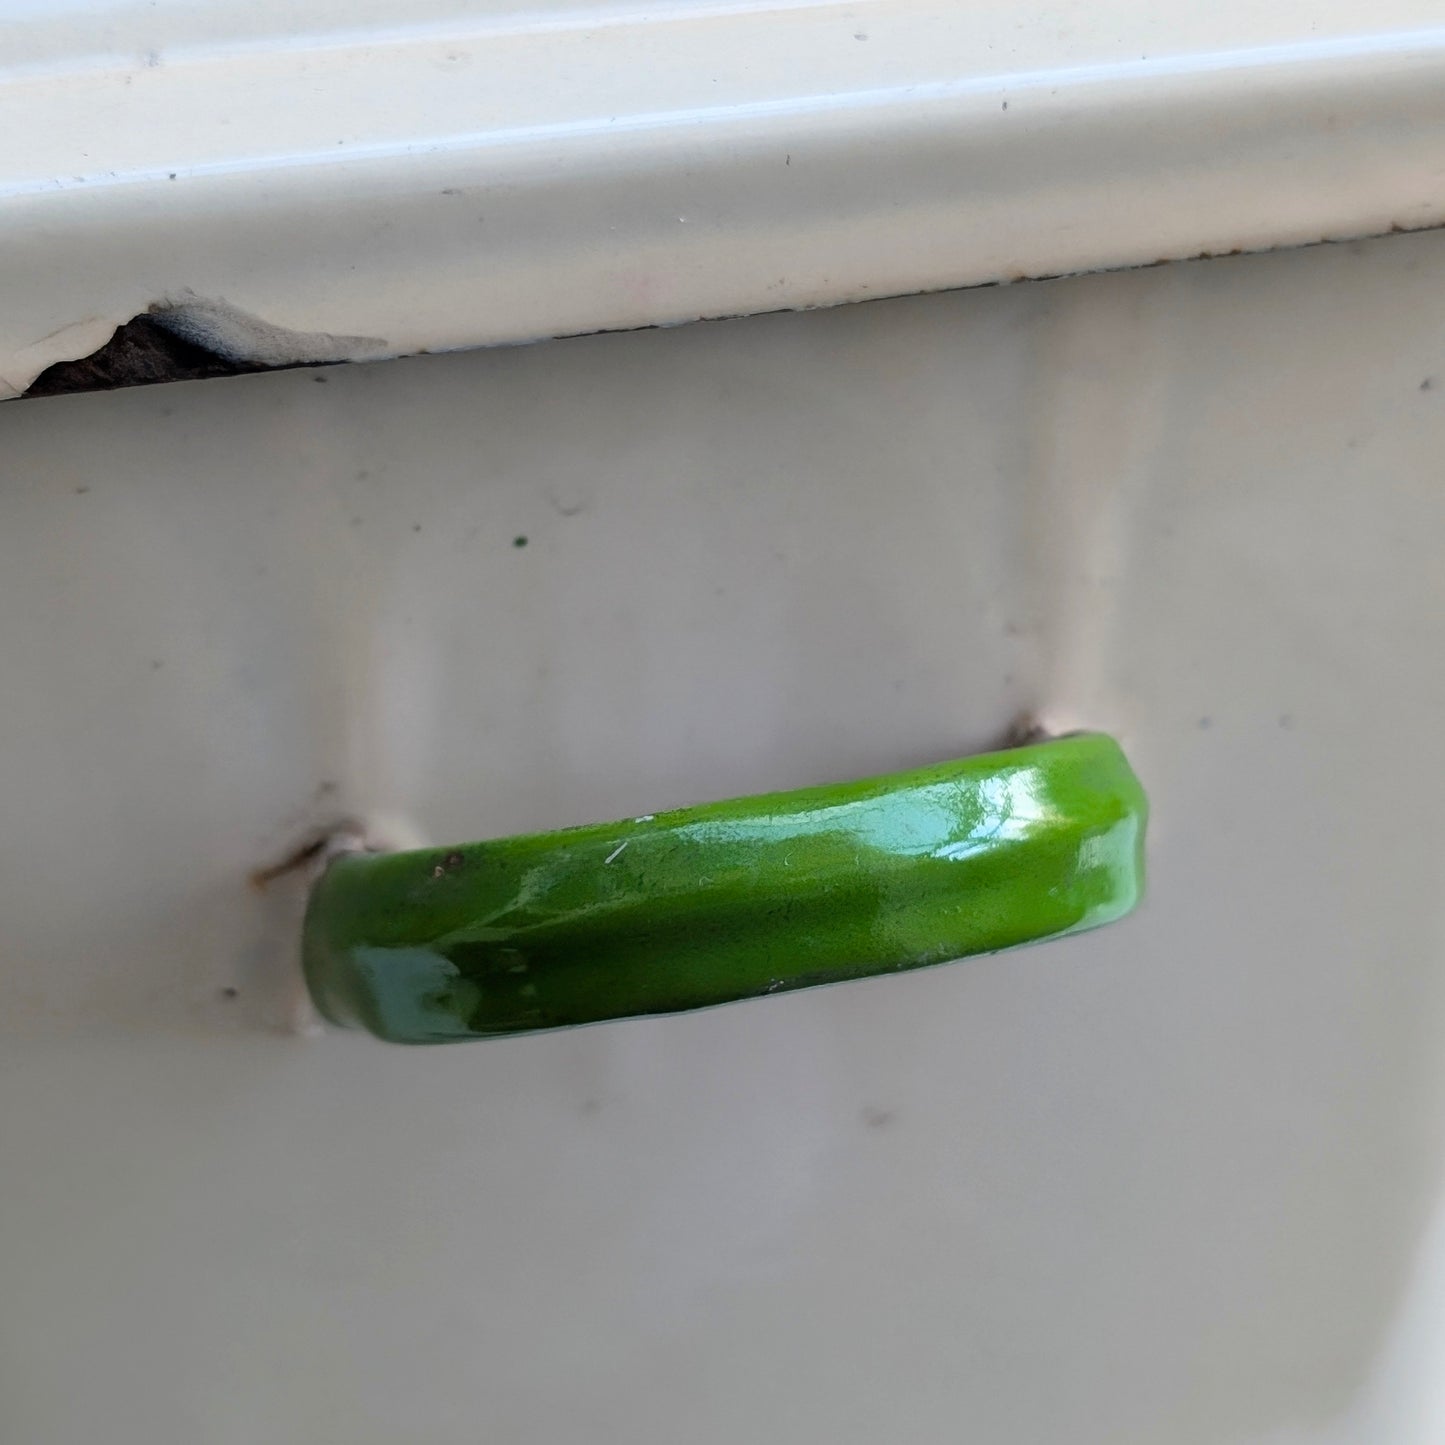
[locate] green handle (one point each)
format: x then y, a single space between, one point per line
728 900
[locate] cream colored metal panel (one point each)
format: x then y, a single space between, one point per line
1176 1181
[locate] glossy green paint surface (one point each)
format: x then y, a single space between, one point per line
729 900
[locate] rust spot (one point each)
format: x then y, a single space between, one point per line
449 864
1023 732
308 852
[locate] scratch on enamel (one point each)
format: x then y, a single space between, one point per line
616 851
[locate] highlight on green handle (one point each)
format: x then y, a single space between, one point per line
727 901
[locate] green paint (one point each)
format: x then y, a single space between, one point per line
729 900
